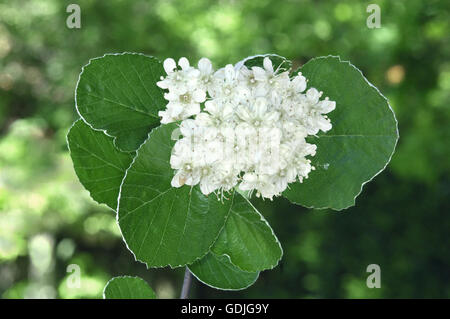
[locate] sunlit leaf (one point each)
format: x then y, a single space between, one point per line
100 167
359 145
248 239
126 287
118 93
163 225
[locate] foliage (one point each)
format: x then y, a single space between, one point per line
126 287
167 226
360 144
400 220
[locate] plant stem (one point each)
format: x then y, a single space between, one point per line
186 284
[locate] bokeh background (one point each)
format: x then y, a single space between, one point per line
401 220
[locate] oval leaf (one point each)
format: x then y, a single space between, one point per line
357 148
118 94
218 272
100 167
127 287
163 225
247 238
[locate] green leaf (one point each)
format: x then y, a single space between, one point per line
118 93
126 287
278 62
163 225
357 148
218 272
248 239
100 167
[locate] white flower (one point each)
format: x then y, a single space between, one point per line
215 115
258 113
270 81
206 74
243 127
298 84
181 106
179 81
185 94
261 183
226 87
265 74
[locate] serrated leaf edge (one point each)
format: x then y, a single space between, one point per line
226 289
125 276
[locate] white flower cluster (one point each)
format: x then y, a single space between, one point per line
243 126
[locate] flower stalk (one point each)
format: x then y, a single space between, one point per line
187 282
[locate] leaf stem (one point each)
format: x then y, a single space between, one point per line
186 284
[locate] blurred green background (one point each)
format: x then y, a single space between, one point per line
401 220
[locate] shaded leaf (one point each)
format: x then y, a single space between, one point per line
278 62
218 272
